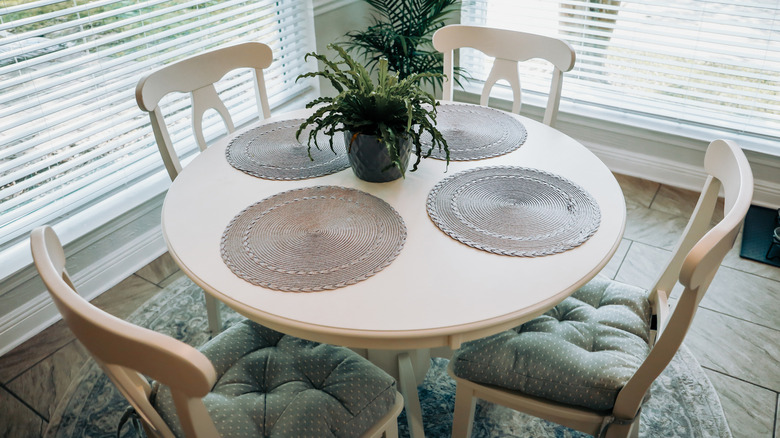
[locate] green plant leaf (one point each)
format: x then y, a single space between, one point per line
393 109
402 34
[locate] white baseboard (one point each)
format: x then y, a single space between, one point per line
670 172
105 272
649 167
766 194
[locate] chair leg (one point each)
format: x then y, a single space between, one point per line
408 387
463 415
212 312
630 430
392 430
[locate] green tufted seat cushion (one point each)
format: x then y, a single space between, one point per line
581 352
273 385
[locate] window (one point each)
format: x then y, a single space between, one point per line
71 135
698 63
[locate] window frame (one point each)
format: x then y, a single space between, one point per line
151 178
594 113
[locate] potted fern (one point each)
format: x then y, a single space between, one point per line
382 122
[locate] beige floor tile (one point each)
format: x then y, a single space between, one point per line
637 191
672 200
745 296
653 227
741 349
749 409
17 420
175 276
642 265
777 419
733 292
43 385
23 357
681 202
614 263
160 269
124 298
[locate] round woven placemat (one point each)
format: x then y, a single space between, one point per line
475 132
312 239
271 151
514 211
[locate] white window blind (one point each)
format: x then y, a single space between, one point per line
71 133
702 63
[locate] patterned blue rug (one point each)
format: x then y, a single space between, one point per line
683 403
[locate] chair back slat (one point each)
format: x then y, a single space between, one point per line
508 48
507 71
204 99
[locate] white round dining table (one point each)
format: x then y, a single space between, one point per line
438 292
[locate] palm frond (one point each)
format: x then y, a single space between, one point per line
402 34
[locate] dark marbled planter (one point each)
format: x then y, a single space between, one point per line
370 159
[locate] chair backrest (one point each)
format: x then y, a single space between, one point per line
508 47
127 352
196 75
694 262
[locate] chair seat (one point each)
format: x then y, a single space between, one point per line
581 352
271 384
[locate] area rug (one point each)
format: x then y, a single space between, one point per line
683 403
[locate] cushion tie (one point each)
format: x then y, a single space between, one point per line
610 420
131 415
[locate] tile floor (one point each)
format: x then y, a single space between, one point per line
736 334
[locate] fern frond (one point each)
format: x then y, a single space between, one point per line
395 109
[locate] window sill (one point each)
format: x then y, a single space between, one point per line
648 148
687 135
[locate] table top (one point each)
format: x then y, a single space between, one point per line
437 292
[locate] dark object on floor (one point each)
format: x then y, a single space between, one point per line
757 236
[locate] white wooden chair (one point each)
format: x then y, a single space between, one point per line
694 263
197 75
508 48
127 353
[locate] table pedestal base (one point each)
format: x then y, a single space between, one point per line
408 367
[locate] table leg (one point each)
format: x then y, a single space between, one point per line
408 387
408 367
212 313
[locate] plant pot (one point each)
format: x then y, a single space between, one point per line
370 159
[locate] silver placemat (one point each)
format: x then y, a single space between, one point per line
476 132
271 151
313 239
514 211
